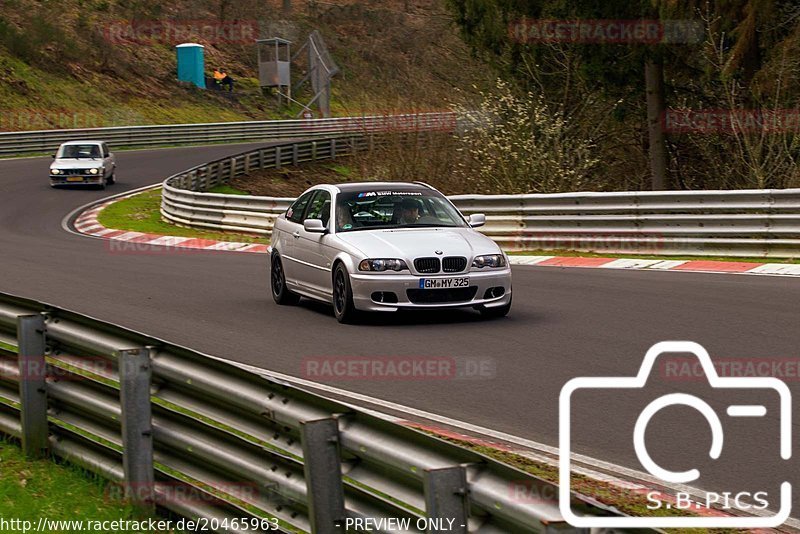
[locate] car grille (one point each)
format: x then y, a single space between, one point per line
440 296
427 265
454 264
73 172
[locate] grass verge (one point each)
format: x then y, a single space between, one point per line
31 489
141 213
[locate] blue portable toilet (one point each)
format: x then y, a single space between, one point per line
191 64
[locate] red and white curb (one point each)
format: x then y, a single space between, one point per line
697 266
87 224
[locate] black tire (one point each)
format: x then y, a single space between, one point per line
496 312
277 283
343 306
111 180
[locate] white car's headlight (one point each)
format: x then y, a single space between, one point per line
55 171
490 260
383 264
93 171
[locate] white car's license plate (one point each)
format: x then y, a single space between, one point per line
75 179
443 283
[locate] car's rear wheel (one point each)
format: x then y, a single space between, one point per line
280 293
495 312
343 306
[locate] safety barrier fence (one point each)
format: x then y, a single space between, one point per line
744 223
203 437
44 141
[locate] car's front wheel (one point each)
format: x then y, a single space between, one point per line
280 293
343 306
111 180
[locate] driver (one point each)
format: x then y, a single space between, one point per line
409 211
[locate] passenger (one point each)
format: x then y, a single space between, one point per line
344 219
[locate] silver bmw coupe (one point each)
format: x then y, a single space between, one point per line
377 246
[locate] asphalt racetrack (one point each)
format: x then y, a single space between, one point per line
565 322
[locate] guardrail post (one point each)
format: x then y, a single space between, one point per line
323 471
277 157
313 150
262 158
137 429
247 163
294 154
32 386
232 171
447 499
333 148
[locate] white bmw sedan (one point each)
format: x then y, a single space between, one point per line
385 246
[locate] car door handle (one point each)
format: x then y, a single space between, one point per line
296 234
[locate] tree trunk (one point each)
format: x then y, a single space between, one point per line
654 87
287 8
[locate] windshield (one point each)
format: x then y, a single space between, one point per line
79 151
373 209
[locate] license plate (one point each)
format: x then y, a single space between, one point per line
75 179
443 283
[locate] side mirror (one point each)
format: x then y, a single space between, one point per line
477 219
54 156
314 225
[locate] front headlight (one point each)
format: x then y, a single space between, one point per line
383 264
55 171
93 171
490 260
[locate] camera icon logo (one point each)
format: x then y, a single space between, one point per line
676 477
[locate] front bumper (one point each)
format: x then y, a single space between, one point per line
89 179
365 285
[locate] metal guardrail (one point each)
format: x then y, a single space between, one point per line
126 405
746 223
33 142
